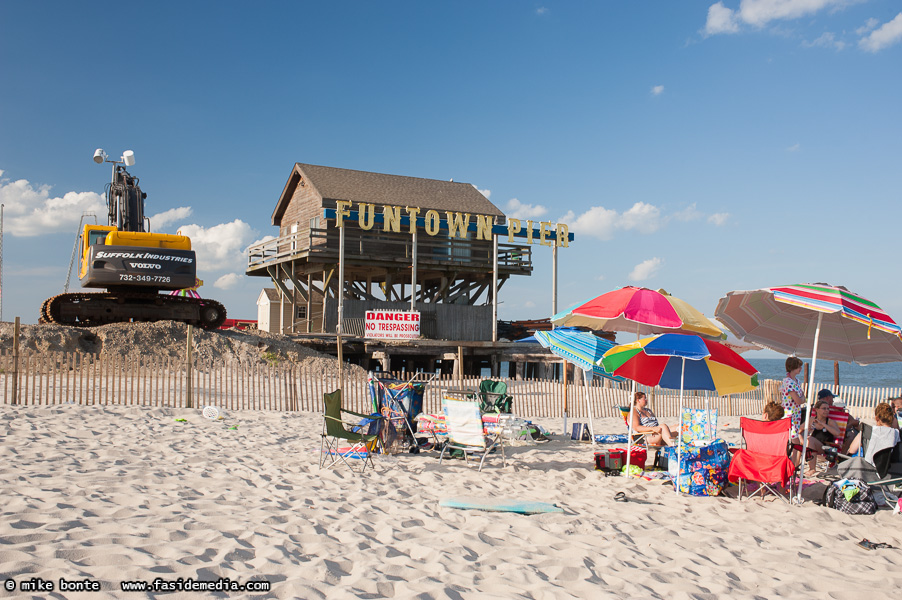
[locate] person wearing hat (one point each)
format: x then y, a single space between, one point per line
852 427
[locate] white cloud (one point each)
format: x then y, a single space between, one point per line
720 20
228 281
826 40
265 238
657 90
486 193
541 10
718 219
30 211
598 221
221 246
602 223
645 269
794 148
759 13
690 213
644 218
160 220
869 25
884 36
518 210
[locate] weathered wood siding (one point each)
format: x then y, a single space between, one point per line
458 322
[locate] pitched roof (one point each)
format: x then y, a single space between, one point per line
272 294
377 188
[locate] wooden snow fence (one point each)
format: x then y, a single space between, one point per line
85 379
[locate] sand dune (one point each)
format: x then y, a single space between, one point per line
110 494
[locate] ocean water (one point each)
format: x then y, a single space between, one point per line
882 375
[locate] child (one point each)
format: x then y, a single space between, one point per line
773 411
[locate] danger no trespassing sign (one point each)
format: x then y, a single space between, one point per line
392 324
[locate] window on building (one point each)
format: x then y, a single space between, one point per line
301 312
294 238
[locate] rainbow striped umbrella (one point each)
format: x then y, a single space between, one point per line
637 309
678 361
659 360
789 318
810 319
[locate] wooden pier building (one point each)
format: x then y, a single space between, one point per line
452 285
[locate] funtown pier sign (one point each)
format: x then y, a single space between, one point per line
398 219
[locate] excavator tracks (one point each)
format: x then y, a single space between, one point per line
83 309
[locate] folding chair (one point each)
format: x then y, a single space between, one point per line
335 432
763 457
493 397
639 439
465 432
399 402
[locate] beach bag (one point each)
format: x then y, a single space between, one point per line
700 470
580 432
661 462
861 503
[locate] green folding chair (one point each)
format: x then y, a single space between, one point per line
493 397
337 431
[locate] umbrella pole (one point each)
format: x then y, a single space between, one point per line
589 407
680 432
817 335
629 428
564 372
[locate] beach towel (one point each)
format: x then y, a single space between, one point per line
881 439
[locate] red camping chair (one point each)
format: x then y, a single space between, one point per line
764 457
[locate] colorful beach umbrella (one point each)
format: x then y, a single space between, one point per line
640 310
658 361
785 319
582 349
678 361
190 292
812 319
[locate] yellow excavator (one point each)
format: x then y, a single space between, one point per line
133 265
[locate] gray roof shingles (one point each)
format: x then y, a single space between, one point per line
397 190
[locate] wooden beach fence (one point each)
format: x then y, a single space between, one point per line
85 379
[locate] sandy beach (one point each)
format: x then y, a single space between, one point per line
103 495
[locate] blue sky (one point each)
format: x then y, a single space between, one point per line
693 146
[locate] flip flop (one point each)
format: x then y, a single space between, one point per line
869 545
621 497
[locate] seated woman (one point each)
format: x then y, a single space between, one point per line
822 428
884 435
773 411
822 431
645 421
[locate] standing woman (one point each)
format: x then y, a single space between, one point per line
791 394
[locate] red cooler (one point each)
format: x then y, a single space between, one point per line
611 459
638 455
